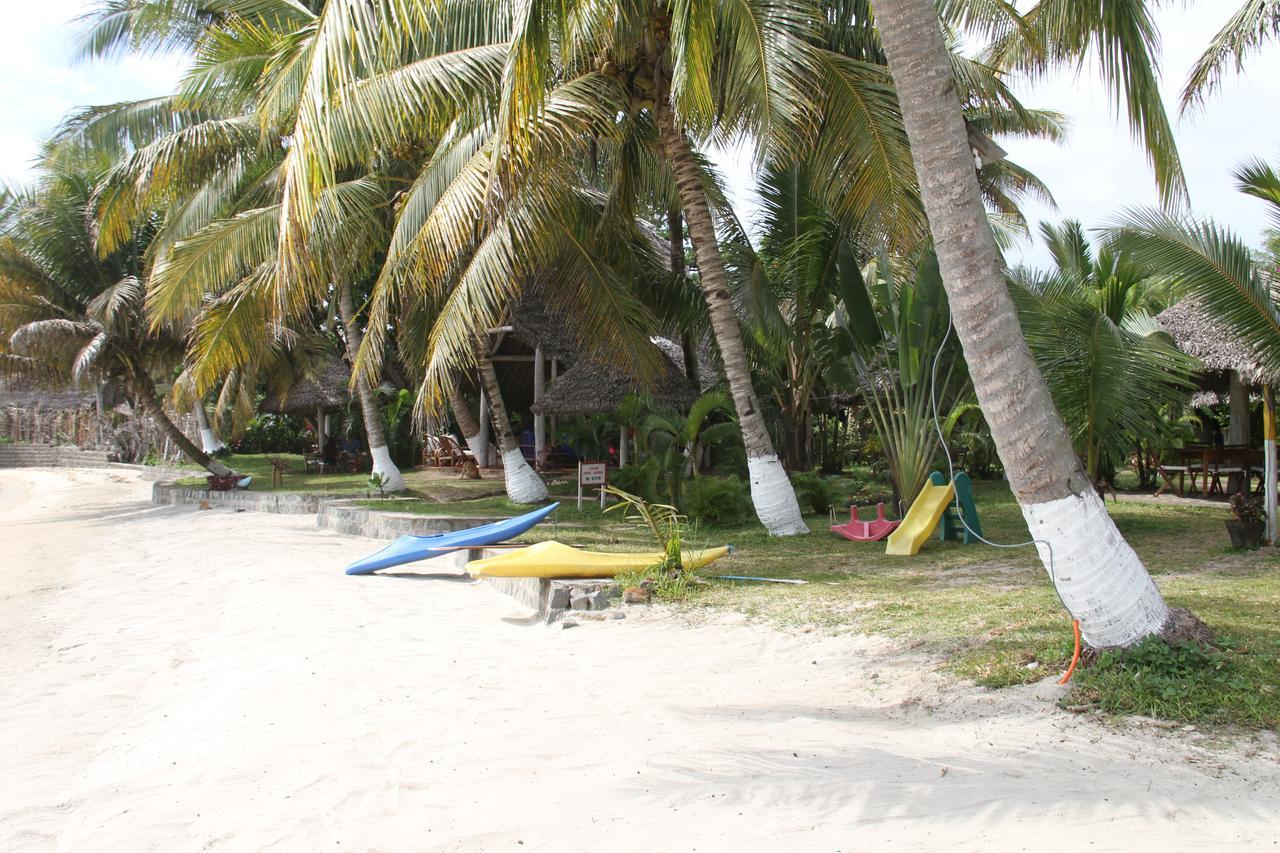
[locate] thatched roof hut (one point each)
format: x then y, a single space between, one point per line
1199 334
534 322
708 364
325 390
590 388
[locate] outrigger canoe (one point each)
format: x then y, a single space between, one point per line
408 549
554 560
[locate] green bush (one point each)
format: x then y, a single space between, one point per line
641 480
270 433
819 493
718 502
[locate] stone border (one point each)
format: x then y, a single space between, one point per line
51 456
337 512
349 517
284 503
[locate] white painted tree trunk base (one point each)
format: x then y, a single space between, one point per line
382 464
774 498
209 441
524 486
479 448
1100 578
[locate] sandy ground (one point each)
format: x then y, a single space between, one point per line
178 680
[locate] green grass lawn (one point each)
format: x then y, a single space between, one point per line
434 485
989 614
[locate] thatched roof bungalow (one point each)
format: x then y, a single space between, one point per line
590 388
323 391
1230 367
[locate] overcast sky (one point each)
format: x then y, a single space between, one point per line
1097 172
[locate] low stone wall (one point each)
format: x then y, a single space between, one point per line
349 517
284 503
553 599
51 456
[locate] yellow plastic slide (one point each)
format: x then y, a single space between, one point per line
921 520
553 560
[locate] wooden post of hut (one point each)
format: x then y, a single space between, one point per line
1238 407
539 421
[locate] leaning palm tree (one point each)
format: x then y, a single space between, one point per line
73 314
1099 577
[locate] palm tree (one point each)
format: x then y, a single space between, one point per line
524 486
74 314
1203 259
679 441
1254 24
1101 580
1111 369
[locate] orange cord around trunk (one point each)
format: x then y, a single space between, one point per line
1075 658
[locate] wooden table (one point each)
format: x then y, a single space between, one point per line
1212 459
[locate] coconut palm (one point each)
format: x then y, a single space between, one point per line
1099 577
71 313
678 441
1254 24
1203 259
227 158
1111 369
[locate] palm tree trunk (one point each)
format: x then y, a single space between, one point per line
524 486
771 491
675 240
1100 578
467 423
145 391
373 426
209 441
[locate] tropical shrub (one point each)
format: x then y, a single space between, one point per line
639 479
270 433
820 493
718 501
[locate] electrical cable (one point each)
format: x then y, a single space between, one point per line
951 475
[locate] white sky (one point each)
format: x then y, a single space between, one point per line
1097 172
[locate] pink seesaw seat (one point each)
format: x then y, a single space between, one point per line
866 531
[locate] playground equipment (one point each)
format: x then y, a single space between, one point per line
933 506
970 529
865 531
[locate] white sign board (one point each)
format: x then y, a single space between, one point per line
593 473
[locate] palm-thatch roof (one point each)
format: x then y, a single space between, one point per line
536 323
708 364
324 390
590 388
1199 334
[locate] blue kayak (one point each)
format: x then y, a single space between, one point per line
408 549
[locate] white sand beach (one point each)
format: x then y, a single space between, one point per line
175 679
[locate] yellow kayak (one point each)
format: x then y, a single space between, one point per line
553 560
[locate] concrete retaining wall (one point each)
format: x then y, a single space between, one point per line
349 517
284 503
51 456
